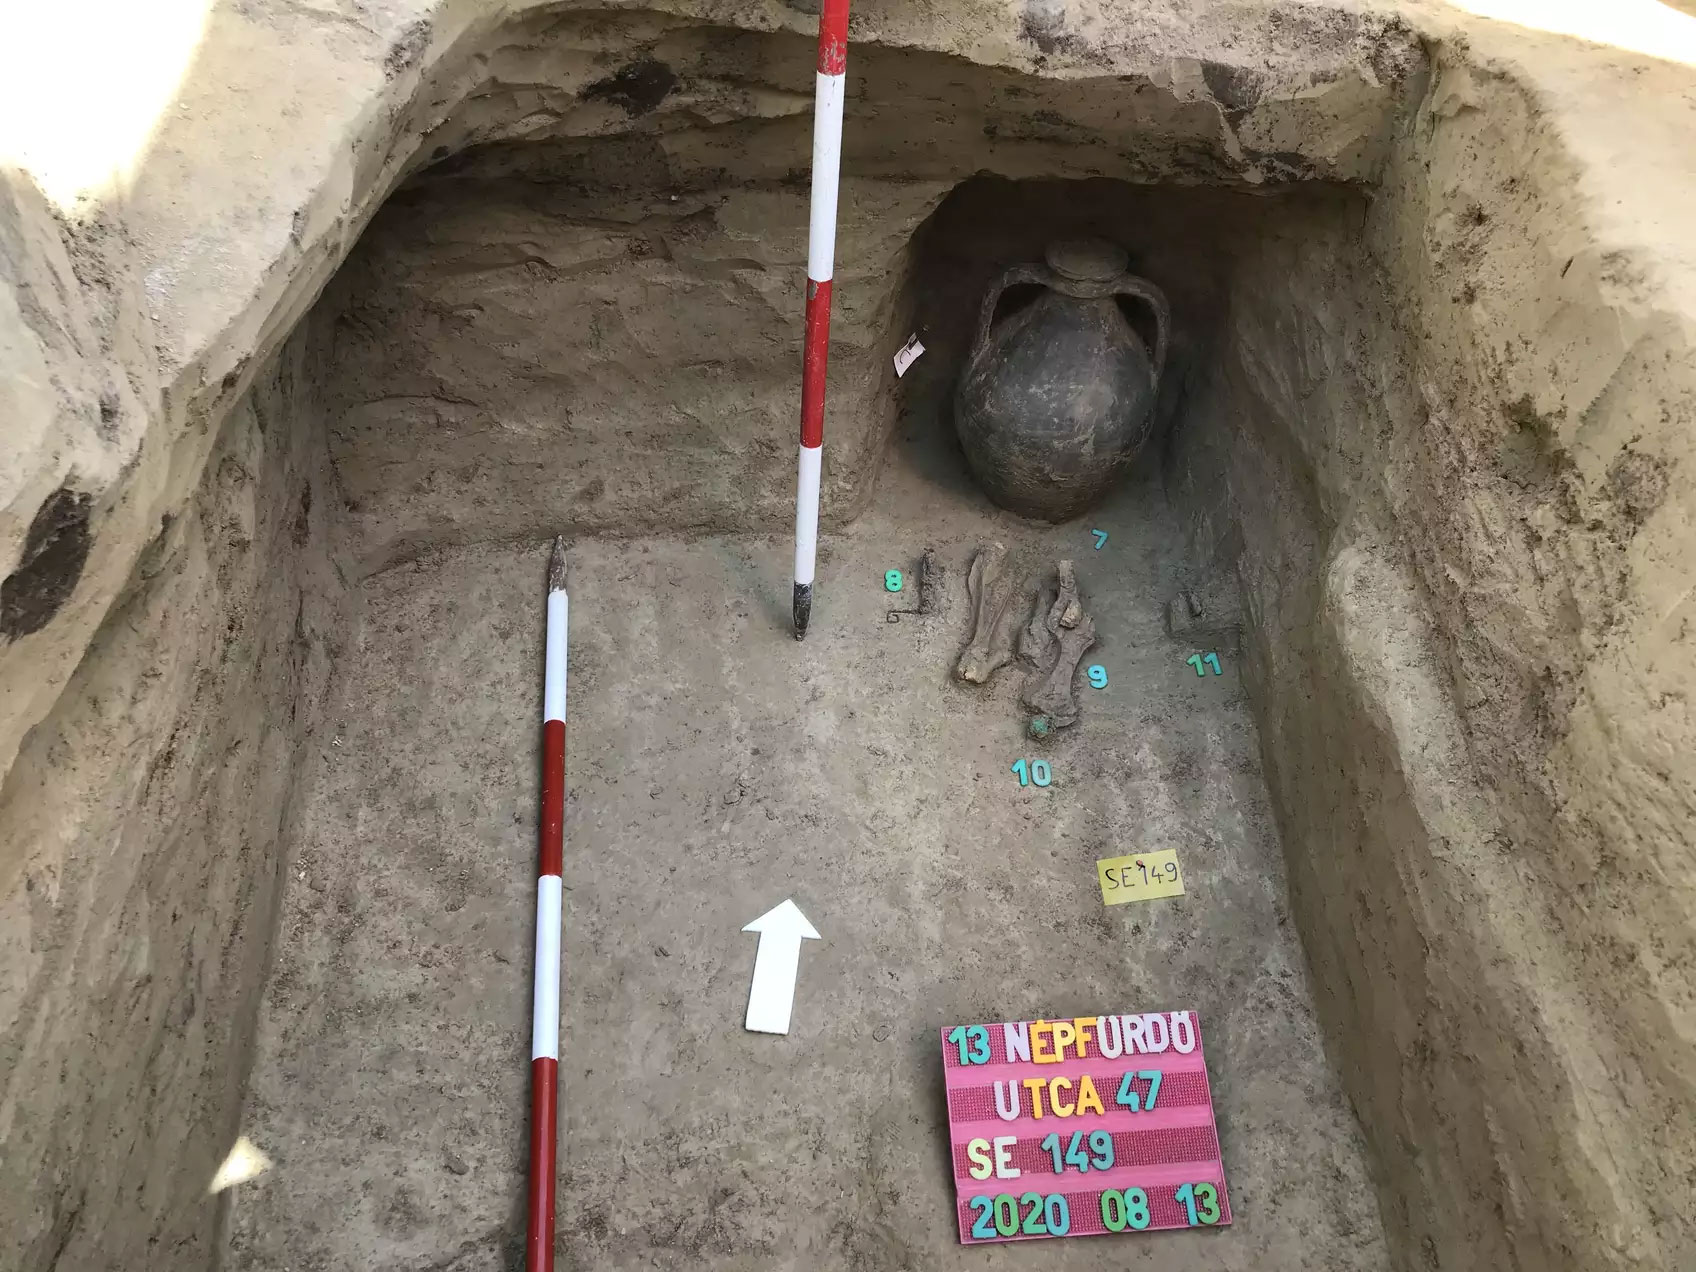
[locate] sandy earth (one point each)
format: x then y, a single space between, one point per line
715 768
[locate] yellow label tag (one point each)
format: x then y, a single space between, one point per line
1143 876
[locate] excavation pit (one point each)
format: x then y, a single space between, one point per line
278 828
501 323
529 311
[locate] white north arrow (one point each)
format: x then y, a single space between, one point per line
776 963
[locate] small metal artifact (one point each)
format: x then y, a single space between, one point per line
930 590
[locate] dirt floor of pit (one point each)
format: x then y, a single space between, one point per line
715 768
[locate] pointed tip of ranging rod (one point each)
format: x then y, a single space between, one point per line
803 609
557 566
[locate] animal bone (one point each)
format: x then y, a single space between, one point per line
989 589
1068 610
1048 689
1036 640
1050 693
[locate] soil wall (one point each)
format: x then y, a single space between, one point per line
519 352
142 840
1448 456
586 316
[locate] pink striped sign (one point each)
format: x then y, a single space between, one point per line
1079 1127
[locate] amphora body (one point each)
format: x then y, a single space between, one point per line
1057 399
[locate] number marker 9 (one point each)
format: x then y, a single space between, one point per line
1097 676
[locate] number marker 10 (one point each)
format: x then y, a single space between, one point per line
1033 772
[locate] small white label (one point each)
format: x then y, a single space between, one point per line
908 354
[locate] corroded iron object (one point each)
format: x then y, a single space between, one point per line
1057 399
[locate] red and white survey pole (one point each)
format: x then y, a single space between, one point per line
544 1021
821 253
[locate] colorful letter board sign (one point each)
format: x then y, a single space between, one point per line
1084 1126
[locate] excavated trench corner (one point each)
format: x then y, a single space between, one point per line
580 313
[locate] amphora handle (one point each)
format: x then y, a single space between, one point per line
1121 285
1025 273
1155 299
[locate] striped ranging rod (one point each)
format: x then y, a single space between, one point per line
821 254
544 1028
